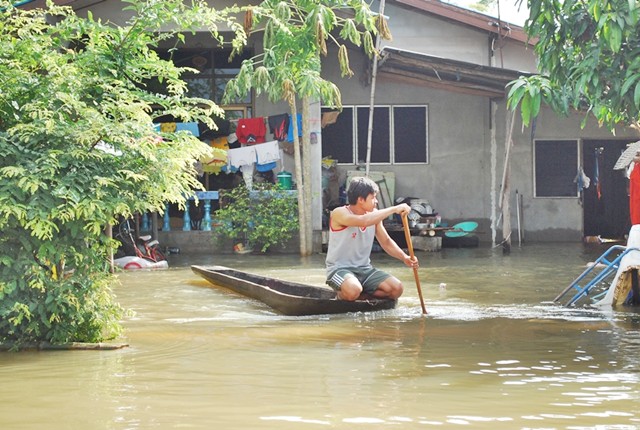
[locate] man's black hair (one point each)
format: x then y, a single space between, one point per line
360 186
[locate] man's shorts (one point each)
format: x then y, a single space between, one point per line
370 277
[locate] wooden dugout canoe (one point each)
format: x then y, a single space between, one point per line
286 297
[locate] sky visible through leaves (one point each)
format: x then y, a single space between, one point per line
509 11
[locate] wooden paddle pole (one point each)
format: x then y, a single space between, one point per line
407 235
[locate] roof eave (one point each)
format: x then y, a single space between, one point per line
443 73
470 18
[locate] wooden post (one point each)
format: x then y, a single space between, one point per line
109 232
306 224
506 214
302 210
166 220
506 187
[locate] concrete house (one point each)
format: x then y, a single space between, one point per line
457 63
440 127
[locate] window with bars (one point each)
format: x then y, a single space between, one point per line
215 69
555 167
399 135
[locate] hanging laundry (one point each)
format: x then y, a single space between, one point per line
290 132
233 141
220 143
251 130
228 169
596 173
213 167
279 125
247 175
243 156
268 152
167 127
208 133
215 162
191 127
267 156
582 180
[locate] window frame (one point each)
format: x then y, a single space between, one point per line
212 74
426 135
355 156
571 172
365 111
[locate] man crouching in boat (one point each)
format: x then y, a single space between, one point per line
352 229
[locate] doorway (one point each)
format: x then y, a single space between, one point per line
605 203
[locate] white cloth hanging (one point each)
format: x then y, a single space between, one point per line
243 156
268 152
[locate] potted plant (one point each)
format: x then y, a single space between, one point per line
262 217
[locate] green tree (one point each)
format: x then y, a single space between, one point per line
295 36
589 58
78 148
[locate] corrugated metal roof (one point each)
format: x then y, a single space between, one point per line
452 75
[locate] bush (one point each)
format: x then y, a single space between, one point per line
79 148
264 216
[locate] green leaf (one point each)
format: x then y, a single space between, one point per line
535 105
615 37
628 83
526 109
636 96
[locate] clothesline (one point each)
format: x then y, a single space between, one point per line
264 118
249 130
331 114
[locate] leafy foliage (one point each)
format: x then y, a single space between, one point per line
296 33
588 53
264 216
78 148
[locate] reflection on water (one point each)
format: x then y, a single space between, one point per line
492 353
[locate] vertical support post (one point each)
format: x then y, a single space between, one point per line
145 222
154 225
109 233
206 220
166 224
635 290
186 219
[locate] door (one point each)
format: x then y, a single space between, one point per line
605 202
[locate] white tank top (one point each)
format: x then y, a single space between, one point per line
349 246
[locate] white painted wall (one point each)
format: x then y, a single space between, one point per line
420 33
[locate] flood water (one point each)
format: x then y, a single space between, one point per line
492 353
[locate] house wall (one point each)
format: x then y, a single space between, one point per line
466 133
456 179
466 152
551 219
514 55
112 10
426 34
414 31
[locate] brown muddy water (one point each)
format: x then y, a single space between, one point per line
492 353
